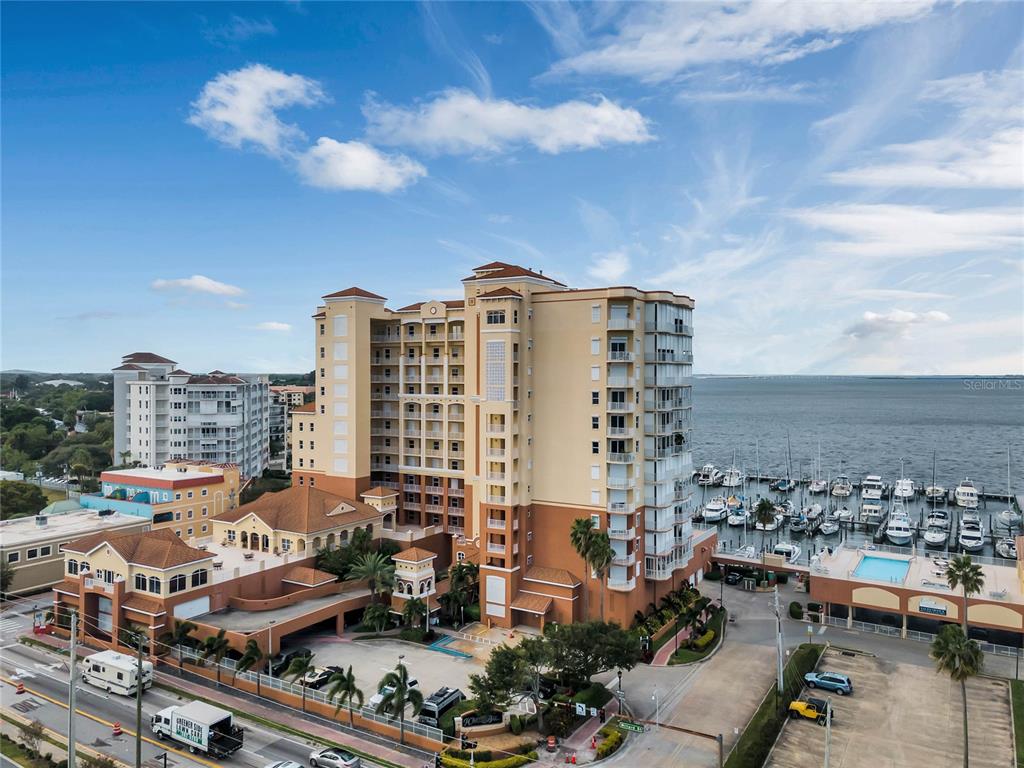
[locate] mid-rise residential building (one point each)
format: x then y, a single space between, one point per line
181 495
162 412
502 416
283 399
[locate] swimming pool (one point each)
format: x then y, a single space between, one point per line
882 569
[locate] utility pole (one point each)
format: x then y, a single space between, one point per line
138 701
828 730
779 650
72 743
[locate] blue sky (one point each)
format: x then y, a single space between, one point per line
839 186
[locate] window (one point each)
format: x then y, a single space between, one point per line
73 567
311 427
595 422
189 532
177 497
178 583
323 353
529 559
140 582
154 585
204 491
596 520
45 551
286 545
322 329
595 472
13 557
300 480
495 369
595 313
199 577
496 317
177 516
190 494
83 567
205 511
595 346
595 373
190 514
300 462
32 554
595 398
231 535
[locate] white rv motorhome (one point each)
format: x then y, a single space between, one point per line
116 672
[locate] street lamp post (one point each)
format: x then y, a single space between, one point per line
270 647
657 707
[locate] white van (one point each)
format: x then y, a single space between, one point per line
116 672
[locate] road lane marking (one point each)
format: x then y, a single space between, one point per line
94 718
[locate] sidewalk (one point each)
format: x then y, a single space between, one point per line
271 712
579 742
665 652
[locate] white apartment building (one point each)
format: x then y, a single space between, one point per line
162 413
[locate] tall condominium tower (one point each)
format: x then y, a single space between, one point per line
501 417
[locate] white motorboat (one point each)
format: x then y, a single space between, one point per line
715 510
935 493
870 512
1007 548
935 536
972 538
872 488
788 550
732 478
897 528
939 518
970 518
734 502
844 515
786 507
708 475
1009 518
798 524
904 489
747 551
812 512
966 494
771 525
842 487
738 517
828 526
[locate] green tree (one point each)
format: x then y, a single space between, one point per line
534 659
214 647
500 680
961 659
764 515
252 656
377 615
601 556
397 696
581 536
376 570
583 649
180 636
6 577
81 463
964 573
341 687
414 612
19 499
297 669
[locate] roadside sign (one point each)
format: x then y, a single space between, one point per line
629 725
581 709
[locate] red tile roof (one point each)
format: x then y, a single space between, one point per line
309 577
303 509
379 492
129 367
501 293
353 291
414 555
145 357
137 602
216 378
450 303
305 408
500 270
179 372
157 549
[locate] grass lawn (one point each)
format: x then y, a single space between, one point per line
15 753
1017 694
52 495
685 655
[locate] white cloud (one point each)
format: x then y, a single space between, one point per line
657 42
240 107
238 29
331 164
609 267
752 90
984 148
896 322
498 218
908 230
460 122
271 325
493 39
198 284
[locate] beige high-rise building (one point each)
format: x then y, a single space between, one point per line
501 417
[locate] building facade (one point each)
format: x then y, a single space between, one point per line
183 496
162 412
502 416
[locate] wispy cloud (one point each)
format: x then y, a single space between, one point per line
493 39
271 325
460 122
92 314
609 267
896 322
236 30
197 284
498 218
750 89
444 37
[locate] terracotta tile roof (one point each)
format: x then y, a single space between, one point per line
145 357
319 316
413 555
538 604
305 408
311 577
302 509
129 367
456 304
68 585
497 270
551 575
450 303
500 293
179 372
216 378
411 307
157 549
217 373
353 291
379 492
137 602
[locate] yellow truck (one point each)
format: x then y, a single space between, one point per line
812 709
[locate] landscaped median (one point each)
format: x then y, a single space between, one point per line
763 728
703 646
1017 702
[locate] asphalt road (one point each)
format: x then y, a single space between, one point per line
46 681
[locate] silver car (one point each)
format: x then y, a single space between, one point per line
333 758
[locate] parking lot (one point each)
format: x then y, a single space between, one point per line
901 715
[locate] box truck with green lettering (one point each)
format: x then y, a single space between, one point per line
199 726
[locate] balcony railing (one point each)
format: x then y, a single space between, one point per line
620 483
435 509
458 492
496 549
621 324
621 458
621 507
621 431
383 432
626 560
617 355
383 396
456 416
622 586
497 429
415 506
665 405
456 530
621 382
492 499
495 524
412 487
496 453
614 405
622 534
668 357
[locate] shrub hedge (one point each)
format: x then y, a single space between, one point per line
704 640
611 743
796 611
513 761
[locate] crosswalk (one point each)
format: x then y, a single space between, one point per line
11 627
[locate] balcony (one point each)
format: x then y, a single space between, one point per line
621 431
434 434
435 509
412 487
414 506
665 327
621 483
456 416
412 432
496 524
496 549
497 477
621 507
621 324
621 458
385 338
621 382
620 407
626 560
378 379
622 586
668 357
457 492
492 499
383 396
620 356
434 452
664 453
496 453
383 432
622 534
383 414
497 429
456 530
665 405
455 335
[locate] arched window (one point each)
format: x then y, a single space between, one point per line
140 582
73 567
266 542
154 585
344 537
199 577
178 583
245 538
83 567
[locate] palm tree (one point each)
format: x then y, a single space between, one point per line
252 656
377 615
342 686
959 658
375 568
216 646
179 637
764 515
581 536
298 669
413 612
6 576
964 573
126 456
397 696
601 556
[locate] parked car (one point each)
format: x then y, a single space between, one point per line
829 681
378 697
812 709
333 758
733 577
279 664
318 676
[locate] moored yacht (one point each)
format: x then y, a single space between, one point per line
788 550
812 512
842 487
904 489
1007 548
897 529
935 536
938 517
708 475
966 494
872 488
738 517
715 510
871 512
828 526
732 478
771 525
972 537
935 493
844 515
